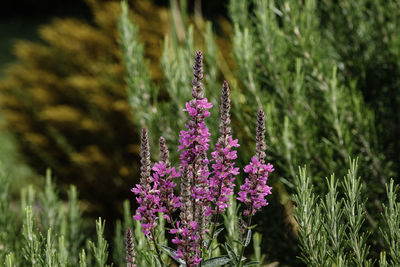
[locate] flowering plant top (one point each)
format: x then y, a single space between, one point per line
206 184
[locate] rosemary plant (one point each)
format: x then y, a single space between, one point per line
332 230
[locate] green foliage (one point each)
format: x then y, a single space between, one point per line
283 58
258 257
50 217
354 210
332 230
332 208
138 78
31 249
317 113
7 220
10 262
82 259
363 34
74 235
309 220
46 231
392 220
100 249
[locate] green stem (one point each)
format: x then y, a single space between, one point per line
213 228
240 264
155 246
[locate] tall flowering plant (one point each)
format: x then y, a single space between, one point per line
206 181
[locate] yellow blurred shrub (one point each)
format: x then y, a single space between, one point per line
65 100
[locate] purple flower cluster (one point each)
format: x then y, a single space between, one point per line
223 160
155 193
186 237
148 207
186 229
203 192
147 192
163 176
223 176
253 192
194 144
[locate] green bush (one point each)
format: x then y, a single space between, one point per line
288 56
331 228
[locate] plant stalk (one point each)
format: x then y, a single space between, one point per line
155 246
245 237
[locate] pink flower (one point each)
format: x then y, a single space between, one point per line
223 175
204 191
147 191
163 177
148 207
194 144
254 190
187 240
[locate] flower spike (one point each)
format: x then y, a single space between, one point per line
223 175
253 192
145 158
130 249
164 152
260 135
